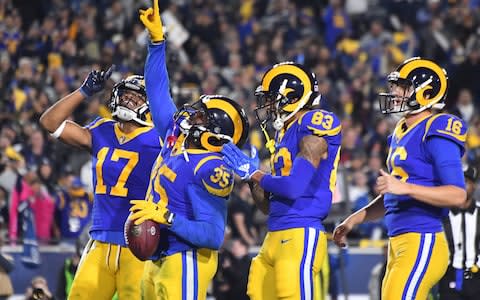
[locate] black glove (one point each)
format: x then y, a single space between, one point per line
95 81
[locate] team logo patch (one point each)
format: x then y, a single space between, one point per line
244 168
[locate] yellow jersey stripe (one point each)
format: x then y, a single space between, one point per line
218 192
330 132
100 122
203 161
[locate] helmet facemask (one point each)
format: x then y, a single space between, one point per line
128 102
270 106
399 95
200 128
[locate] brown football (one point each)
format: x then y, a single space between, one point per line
142 239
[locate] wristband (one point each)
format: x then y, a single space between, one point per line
57 133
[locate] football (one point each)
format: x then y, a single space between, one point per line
142 239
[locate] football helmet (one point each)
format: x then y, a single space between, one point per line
424 85
212 121
286 88
120 101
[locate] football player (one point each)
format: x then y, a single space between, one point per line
123 151
190 183
424 178
297 195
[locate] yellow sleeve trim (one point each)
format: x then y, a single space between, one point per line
330 132
99 122
461 138
218 192
429 123
203 161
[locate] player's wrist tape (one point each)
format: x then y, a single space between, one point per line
57 133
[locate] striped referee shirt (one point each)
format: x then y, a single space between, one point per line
462 230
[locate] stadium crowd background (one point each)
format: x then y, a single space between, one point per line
47 47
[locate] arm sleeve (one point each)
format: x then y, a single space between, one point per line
157 83
210 213
447 162
293 185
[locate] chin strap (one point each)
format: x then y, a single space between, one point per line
279 122
125 114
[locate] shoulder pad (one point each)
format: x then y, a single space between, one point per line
447 126
97 122
320 122
214 175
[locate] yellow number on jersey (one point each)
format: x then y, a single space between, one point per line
333 173
79 209
319 118
119 188
165 171
100 187
454 126
401 153
287 161
222 177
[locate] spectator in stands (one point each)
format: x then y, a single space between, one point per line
73 210
465 108
30 189
38 290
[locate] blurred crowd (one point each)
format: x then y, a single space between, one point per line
47 47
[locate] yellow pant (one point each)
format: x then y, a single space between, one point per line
416 262
104 269
181 276
288 265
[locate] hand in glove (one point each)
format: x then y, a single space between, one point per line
152 21
245 166
143 210
95 81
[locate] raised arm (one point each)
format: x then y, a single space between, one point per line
54 119
157 83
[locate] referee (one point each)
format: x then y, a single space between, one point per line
462 280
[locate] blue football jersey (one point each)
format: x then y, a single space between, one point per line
75 210
409 161
171 175
313 206
121 165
